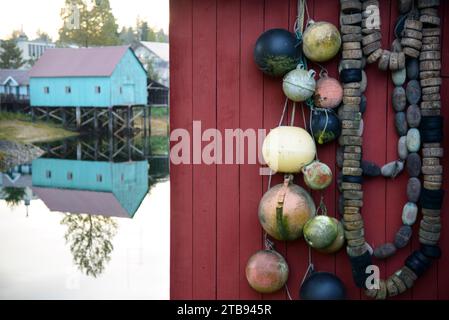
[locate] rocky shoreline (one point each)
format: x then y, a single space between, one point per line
13 154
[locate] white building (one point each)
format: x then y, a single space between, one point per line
160 54
32 50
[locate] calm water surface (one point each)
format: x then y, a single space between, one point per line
79 225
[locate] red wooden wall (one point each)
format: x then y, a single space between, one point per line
214 224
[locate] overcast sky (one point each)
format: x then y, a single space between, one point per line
45 15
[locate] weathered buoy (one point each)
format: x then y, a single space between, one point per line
385 251
409 213
413 140
328 93
288 149
299 84
403 236
400 121
267 271
399 99
413 189
320 232
392 169
276 52
399 77
370 169
284 210
402 148
413 92
338 242
321 41
326 126
322 286
317 175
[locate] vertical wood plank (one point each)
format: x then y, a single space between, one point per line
204 176
325 11
228 192
276 16
396 189
181 117
375 139
251 117
297 251
443 263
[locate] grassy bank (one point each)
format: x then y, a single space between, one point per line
19 128
160 128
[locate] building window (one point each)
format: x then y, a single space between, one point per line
68 90
46 90
48 174
121 90
98 89
99 178
122 178
69 175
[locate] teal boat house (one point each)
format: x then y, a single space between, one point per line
89 86
91 187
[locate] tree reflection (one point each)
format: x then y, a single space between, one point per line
13 196
90 240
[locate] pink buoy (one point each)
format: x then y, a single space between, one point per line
328 92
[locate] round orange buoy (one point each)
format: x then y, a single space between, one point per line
266 271
328 93
284 210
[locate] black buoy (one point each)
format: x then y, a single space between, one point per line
322 286
277 52
326 126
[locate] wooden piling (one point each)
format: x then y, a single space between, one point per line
78 118
110 122
95 120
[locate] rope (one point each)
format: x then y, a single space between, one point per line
310 267
322 209
283 112
292 120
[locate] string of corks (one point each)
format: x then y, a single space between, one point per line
424 118
405 101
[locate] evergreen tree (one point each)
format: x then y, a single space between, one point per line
128 36
11 55
161 36
144 31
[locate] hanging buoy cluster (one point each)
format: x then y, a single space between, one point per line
287 211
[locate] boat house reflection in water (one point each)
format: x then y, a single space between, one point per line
91 187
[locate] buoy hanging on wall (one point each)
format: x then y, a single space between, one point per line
321 231
284 210
277 52
339 241
321 41
288 149
328 93
322 286
317 175
326 126
267 271
299 84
